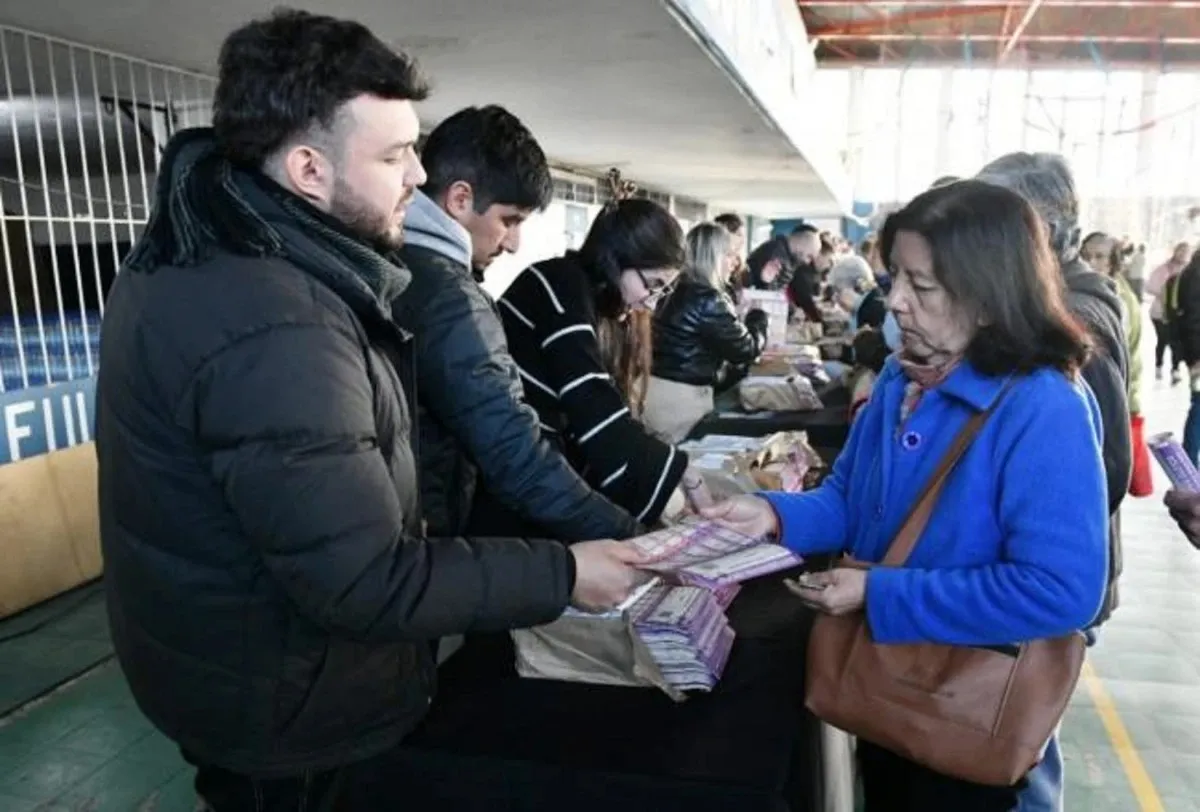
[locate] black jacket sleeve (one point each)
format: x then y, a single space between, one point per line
1187 314
873 310
468 380
725 335
288 417
626 462
1105 374
800 294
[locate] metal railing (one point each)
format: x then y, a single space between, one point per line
82 132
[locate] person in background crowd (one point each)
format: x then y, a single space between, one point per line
869 251
699 343
1185 323
1156 286
810 279
579 328
777 262
1135 271
830 248
1101 252
854 290
868 353
1045 180
1016 547
270 593
736 227
480 444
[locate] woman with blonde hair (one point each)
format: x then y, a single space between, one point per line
699 342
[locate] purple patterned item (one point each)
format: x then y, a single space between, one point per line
1174 461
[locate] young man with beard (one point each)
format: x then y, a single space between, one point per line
483 458
270 594
1046 181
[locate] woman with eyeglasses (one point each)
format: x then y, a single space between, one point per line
579 329
699 342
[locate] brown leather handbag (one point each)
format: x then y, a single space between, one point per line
980 714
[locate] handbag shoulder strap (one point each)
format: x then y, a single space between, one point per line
914 524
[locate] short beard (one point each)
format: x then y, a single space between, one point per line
365 223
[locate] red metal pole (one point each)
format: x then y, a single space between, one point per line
1030 11
906 5
895 21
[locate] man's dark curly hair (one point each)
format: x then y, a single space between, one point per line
292 71
489 148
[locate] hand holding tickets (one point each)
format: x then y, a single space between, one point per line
695 489
1185 510
605 574
748 515
710 555
1174 461
1184 500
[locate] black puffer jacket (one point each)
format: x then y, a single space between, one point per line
777 250
270 598
474 425
696 332
1094 301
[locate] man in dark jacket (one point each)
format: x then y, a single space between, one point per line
790 264
479 441
1182 312
270 595
1045 180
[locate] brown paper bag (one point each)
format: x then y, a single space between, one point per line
596 649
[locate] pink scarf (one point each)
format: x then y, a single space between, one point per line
921 378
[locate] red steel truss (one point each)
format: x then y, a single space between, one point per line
1157 32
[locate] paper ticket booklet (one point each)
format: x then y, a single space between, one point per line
703 553
683 627
687 633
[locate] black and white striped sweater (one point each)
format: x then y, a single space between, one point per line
550 320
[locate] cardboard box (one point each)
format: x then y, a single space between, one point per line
51 520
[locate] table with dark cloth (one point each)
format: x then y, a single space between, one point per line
826 428
494 741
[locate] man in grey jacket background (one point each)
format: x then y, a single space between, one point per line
1046 181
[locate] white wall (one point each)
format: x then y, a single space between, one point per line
545 235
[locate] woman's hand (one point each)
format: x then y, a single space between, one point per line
748 515
695 489
835 592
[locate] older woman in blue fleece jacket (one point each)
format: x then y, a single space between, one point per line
1016 549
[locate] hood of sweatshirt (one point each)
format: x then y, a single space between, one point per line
426 225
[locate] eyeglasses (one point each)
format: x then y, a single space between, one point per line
658 287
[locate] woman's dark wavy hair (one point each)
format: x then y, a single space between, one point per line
631 234
992 253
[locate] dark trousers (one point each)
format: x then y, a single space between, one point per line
895 784
1162 335
365 786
